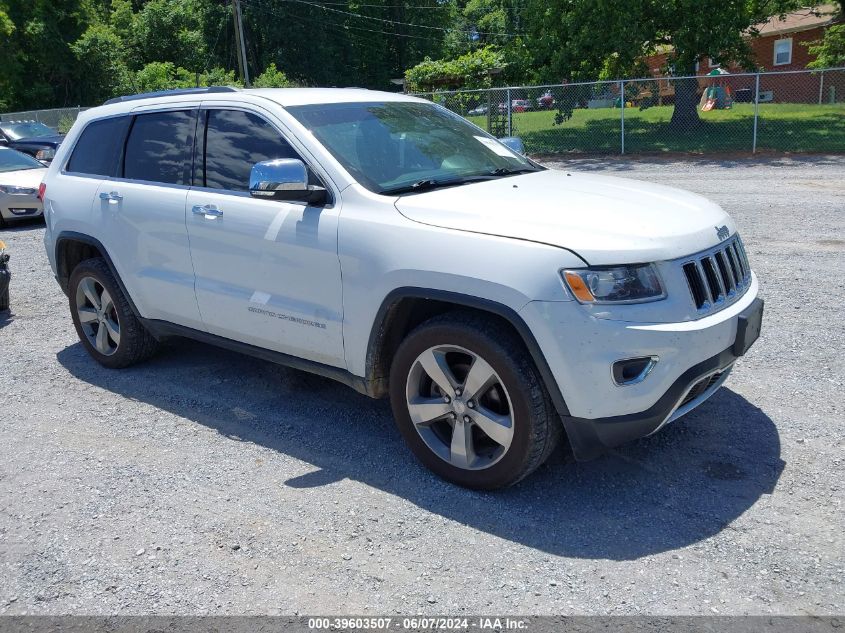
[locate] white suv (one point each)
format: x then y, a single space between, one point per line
384 241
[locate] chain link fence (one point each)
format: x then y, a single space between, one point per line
58 118
791 111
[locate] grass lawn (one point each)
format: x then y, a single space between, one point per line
782 127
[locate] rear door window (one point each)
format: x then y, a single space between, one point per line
97 152
235 140
160 147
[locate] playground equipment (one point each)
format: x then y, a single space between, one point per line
718 95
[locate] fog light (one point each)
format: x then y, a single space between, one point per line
631 371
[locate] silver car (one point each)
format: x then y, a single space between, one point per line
20 177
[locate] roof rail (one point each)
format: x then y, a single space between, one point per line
171 93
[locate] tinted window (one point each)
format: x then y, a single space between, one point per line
234 142
160 146
97 151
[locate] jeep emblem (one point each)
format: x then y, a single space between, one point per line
723 232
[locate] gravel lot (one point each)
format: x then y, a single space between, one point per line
207 482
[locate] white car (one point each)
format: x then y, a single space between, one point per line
20 177
386 242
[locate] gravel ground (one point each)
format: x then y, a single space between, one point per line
207 482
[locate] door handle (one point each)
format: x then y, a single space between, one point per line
210 211
111 196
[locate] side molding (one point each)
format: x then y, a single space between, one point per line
163 329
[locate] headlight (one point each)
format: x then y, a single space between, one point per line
46 154
16 190
637 283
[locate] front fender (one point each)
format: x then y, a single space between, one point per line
509 314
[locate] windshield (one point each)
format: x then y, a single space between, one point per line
32 129
391 147
11 160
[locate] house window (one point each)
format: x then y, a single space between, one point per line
783 52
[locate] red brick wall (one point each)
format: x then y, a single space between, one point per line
763 49
800 88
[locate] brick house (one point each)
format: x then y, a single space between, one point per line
780 46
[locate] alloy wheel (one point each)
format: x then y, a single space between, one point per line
460 407
98 316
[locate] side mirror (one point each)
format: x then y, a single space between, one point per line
514 143
284 179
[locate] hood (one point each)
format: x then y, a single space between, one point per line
23 178
48 141
603 219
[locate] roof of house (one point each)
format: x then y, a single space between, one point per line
801 20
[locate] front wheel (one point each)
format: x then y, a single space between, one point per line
470 403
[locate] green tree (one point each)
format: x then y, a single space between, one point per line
122 19
168 76
160 76
7 61
354 43
577 39
472 70
496 23
102 71
179 31
61 52
272 77
37 63
830 50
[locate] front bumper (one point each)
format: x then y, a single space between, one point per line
695 358
20 206
590 438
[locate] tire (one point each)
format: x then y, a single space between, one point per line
110 332
513 394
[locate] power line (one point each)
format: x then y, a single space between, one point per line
342 27
213 49
419 26
390 6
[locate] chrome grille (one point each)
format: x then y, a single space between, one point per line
719 276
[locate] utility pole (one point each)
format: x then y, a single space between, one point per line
240 44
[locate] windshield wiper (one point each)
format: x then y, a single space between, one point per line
424 185
428 184
510 171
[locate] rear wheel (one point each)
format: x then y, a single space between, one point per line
104 321
470 403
